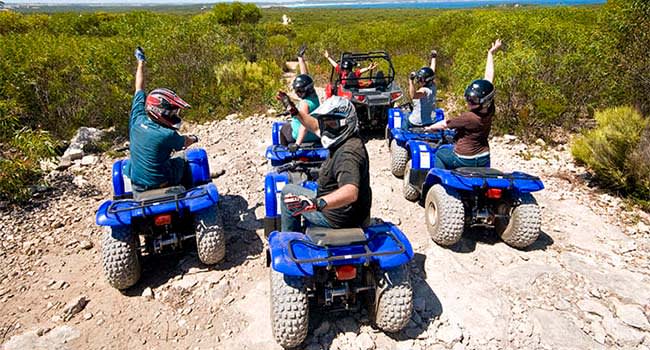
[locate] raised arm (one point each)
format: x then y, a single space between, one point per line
301 60
432 64
332 62
489 64
372 66
302 114
139 73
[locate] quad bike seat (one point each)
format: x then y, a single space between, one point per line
478 172
325 236
158 193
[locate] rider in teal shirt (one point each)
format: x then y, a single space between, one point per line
153 135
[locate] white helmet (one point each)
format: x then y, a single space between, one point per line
342 111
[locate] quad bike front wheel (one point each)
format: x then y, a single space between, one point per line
524 225
444 215
398 157
210 236
120 258
410 192
394 299
289 309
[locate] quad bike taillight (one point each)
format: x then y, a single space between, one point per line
395 95
346 272
493 193
162 220
360 98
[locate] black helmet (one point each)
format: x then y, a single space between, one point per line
480 92
303 84
425 75
348 64
341 111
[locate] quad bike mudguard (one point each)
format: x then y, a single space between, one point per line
470 179
295 254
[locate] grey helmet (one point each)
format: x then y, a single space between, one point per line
342 111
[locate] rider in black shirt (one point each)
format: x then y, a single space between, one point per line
344 196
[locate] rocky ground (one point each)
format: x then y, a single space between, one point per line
583 285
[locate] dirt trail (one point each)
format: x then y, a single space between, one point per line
583 284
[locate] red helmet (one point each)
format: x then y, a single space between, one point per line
163 106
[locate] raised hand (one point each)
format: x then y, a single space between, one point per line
495 46
297 205
139 54
286 102
434 54
302 49
326 54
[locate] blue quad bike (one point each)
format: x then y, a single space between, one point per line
407 144
288 165
338 269
477 197
160 221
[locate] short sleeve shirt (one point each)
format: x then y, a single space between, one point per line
346 165
151 145
472 132
423 107
312 103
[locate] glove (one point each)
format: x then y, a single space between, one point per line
434 53
293 147
287 103
139 54
194 138
301 50
299 204
412 76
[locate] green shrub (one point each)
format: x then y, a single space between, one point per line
617 151
246 86
236 13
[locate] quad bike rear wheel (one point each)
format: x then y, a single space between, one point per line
523 227
289 309
120 258
444 215
394 299
410 192
398 157
210 236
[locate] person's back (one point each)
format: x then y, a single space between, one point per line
423 107
312 102
151 145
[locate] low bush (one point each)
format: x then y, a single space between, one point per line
618 151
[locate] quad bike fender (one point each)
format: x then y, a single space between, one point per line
521 183
273 185
121 212
275 133
281 155
281 258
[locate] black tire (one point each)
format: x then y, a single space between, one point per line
398 157
394 299
410 193
524 225
444 215
120 258
210 237
289 309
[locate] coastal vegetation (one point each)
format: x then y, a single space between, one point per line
560 66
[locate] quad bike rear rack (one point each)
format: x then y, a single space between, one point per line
330 258
485 176
176 198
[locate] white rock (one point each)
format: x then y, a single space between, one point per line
365 342
458 346
540 142
449 334
89 160
56 338
509 138
404 345
147 293
632 315
623 335
594 307
598 332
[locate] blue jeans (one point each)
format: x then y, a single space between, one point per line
292 223
446 158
